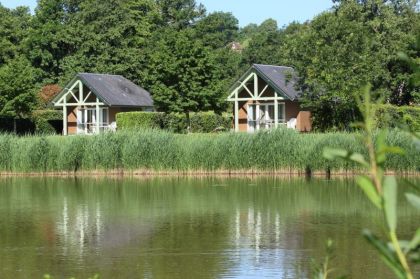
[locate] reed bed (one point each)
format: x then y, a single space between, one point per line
280 150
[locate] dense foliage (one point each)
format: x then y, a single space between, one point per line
281 150
184 55
199 122
394 116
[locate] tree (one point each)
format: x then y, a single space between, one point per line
50 40
14 25
112 36
17 83
217 29
183 74
179 14
340 51
263 46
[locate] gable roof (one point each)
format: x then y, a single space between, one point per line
283 79
113 90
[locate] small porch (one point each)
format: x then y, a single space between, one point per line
83 112
90 102
265 98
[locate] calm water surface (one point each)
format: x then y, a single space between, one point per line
186 228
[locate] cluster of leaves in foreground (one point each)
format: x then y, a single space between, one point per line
382 192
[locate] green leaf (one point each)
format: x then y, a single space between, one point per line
413 199
332 153
390 202
387 255
369 189
358 158
415 241
381 146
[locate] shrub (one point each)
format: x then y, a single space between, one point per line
47 121
201 122
175 122
394 116
207 122
139 119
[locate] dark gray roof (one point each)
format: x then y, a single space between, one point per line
115 90
282 78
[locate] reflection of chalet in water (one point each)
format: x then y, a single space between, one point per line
265 97
91 101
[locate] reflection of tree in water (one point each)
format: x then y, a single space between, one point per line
182 228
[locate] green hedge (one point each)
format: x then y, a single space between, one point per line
394 116
201 122
131 120
47 121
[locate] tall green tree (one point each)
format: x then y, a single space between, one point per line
17 88
51 40
184 75
111 37
217 29
339 51
14 28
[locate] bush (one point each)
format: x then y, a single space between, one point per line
47 121
201 122
139 119
207 122
394 116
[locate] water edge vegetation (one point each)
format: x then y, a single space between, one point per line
281 150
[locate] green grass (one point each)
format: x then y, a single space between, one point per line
154 150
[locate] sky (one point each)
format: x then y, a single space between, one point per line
247 11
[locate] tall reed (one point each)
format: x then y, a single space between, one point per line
278 150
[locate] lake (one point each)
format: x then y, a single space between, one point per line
187 227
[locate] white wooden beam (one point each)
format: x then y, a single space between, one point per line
97 115
263 91
255 85
276 111
65 118
78 104
243 85
80 91
257 99
88 95
236 112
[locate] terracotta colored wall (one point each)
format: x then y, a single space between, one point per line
71 120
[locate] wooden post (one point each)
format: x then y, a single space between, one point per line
276 111
64 118
97 116
255 86
80 92
236 112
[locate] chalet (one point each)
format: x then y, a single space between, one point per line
91 101
266 97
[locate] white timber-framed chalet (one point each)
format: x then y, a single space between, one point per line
90 102
266 97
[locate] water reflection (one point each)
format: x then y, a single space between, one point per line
184 228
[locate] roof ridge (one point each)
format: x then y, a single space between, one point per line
278 66
98 74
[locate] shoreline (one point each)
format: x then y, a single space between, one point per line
199 173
